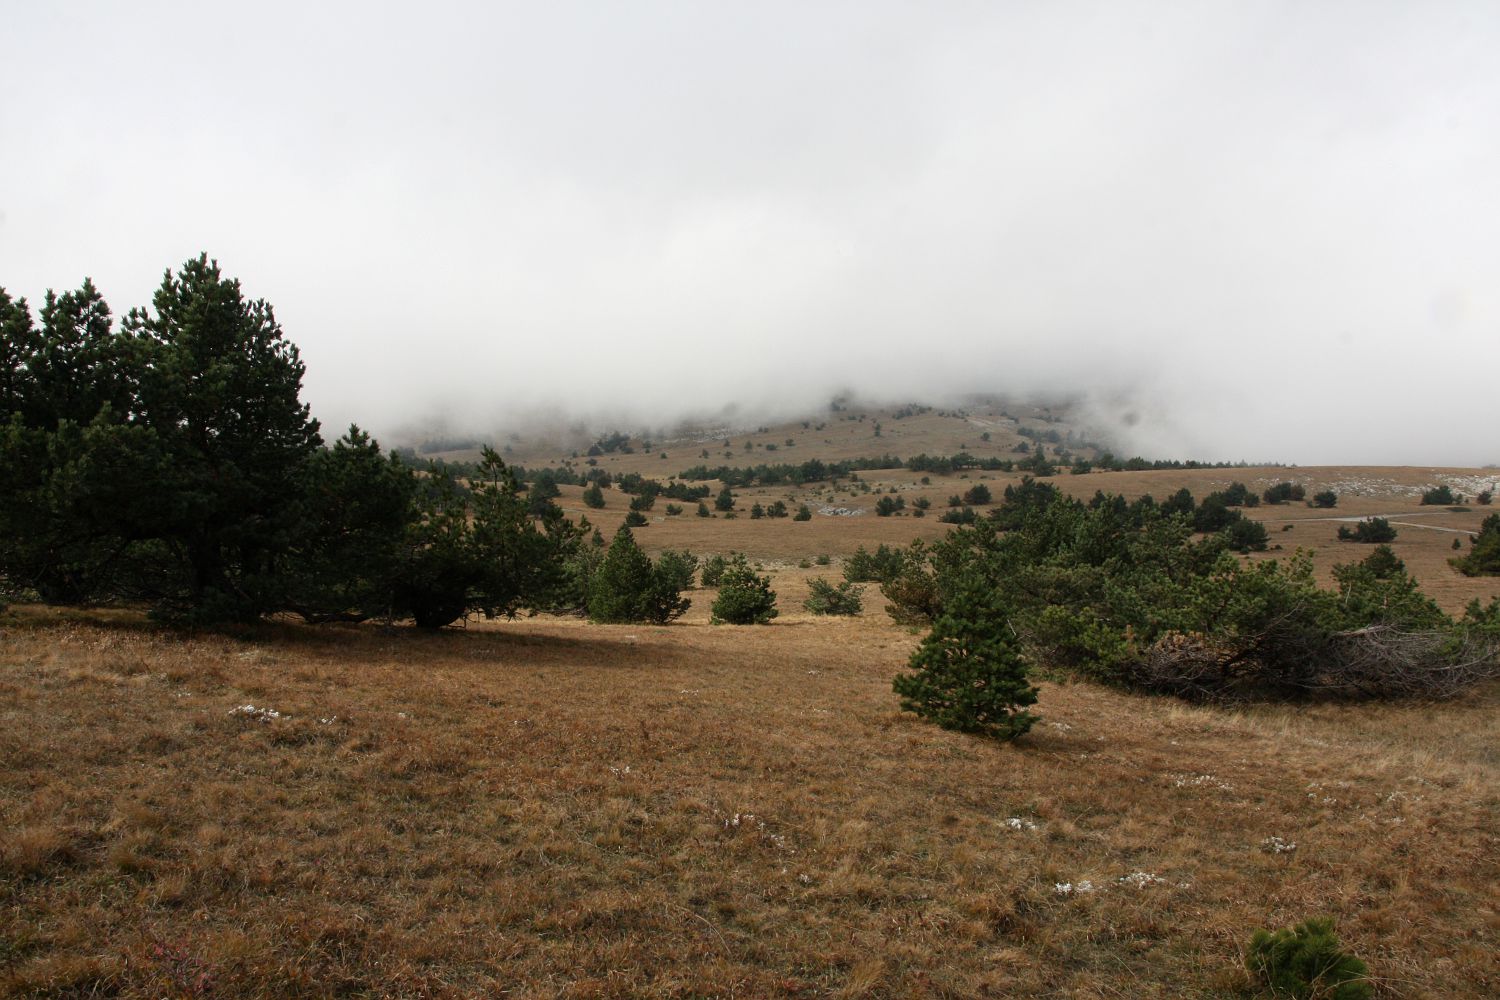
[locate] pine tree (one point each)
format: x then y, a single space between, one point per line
360 503
725 500
628 588
968 674
594 497
744 598
220 387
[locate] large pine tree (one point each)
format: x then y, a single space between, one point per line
220 387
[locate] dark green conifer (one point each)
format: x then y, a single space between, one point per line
968 673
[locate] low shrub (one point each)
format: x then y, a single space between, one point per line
1283 493
1440 496
1372 531
827 599
1307 962
1483 558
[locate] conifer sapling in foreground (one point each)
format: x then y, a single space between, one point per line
968 674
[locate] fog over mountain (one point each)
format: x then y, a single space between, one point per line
1263 230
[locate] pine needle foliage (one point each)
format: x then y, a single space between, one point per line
628 588
968 674
828 599
1307 962
744 597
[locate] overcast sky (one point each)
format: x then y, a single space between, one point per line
1273 230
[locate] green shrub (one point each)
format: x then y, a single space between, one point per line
1129 595
757 512
1440 496
725 499
823 559
703 510
1483 558
1484 497
1238 495
744 598
713 570
593 497
963 515
1372 531
1307 962
879 566
1283 493
968 674
678 567
804 513
1326 499
913 593
674 509
827 599
977 495
776 509
1245 535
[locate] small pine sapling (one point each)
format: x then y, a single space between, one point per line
1307 962
968 674
744 598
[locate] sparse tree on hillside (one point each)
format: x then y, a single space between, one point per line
593 497
1440 496
725 500
828 599
1372 531
1483 558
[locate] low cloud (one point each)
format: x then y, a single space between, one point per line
1262 230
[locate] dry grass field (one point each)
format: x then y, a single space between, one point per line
547 808
550 809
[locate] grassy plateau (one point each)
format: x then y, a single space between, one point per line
548 808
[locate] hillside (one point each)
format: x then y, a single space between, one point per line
844 516
549 808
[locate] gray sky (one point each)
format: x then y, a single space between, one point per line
1272 229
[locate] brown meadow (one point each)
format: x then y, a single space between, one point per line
548 808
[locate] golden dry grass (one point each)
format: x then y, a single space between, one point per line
545 808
